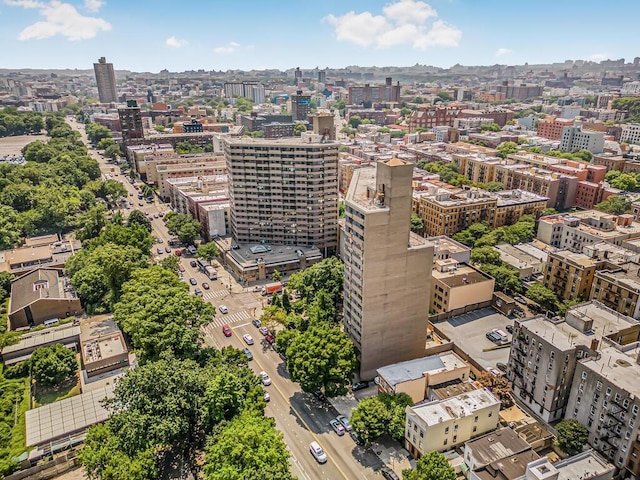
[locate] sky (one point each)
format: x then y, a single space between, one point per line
151 35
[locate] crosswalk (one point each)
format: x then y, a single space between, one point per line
211 294
230 318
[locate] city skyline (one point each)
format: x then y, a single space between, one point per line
150 37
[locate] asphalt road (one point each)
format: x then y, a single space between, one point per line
299 416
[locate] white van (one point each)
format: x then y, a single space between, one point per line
503 335
317 452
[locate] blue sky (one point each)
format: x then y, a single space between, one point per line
149 35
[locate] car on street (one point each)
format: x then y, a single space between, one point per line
226 330
269 338
140 204
193 281
317 452
155 215
160 251
389 474
178 253
509 328
167 249
520 300
359 386
192 250
193 263
223 309
494 337
267 397
248 339
248 353
256 323
337 427
264 331
266 381
181 268
198 292
356 438
205 285
345 422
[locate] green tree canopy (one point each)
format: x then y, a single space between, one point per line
137 217
208 251
321 358
543 296
486 254
615 204
417 224
506 148
431 466
248 447
572 436
184 226
53 364
327 275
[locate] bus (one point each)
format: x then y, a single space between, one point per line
207 269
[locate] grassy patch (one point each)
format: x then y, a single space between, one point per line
14 402
46 396
18 433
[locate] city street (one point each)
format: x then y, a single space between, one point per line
299 416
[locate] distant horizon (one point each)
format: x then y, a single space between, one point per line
151 36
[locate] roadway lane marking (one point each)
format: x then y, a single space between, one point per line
241 325
315 437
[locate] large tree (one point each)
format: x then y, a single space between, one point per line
322 358
370 419
248 447
543 296
572 436
208 251
431 466
53 364
327 275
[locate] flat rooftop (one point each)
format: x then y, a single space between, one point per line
452 388
47 336
618 367
67 416
443 244
278 255
418 368
583 465
579 259
510 467
560 334
516 256
362 181
292 141
462 275
517 197
496 446
460 406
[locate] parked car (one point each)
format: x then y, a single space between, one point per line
337 427
256 323
198 292
160 251
223 309
248 353
389 474
178 253
264 331
167 249
494 337
205 285
266 381
226 330
509 328
248 339
345 422
193 263
269 338
359 386
267 397
193 281
502 366
520 300
181 268
356 438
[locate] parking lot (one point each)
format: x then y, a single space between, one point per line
468 332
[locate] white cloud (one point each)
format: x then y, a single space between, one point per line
175 42
598 57
404 22
60 19
231 47
501 52
93 5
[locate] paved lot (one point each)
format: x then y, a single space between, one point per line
468 332
13 145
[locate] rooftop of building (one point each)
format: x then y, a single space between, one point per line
274 255
627 275
442 243
578 259
508 198
460 406
496 446
420 367
584 465
452 388
536 248
58 334
515 256
55 253
192 165
458 274
611 253
507 468
43 283
290 141
619 368
459 198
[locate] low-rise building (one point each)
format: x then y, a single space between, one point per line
103 347
525 263
39 296
191 169
417 377
513 204
575 138
570 275
618 287
444 424
587 465
446 247
457 285
67 334
493 447
51 254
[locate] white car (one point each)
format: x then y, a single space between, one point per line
267 397
248 339
266 381
223 309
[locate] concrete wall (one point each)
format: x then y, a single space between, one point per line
46 309
472 293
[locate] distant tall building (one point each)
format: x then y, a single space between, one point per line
322 76
298 74
574 138
131 122
300 106
367 95
388 268
106 80
522 91
254 91
300 208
